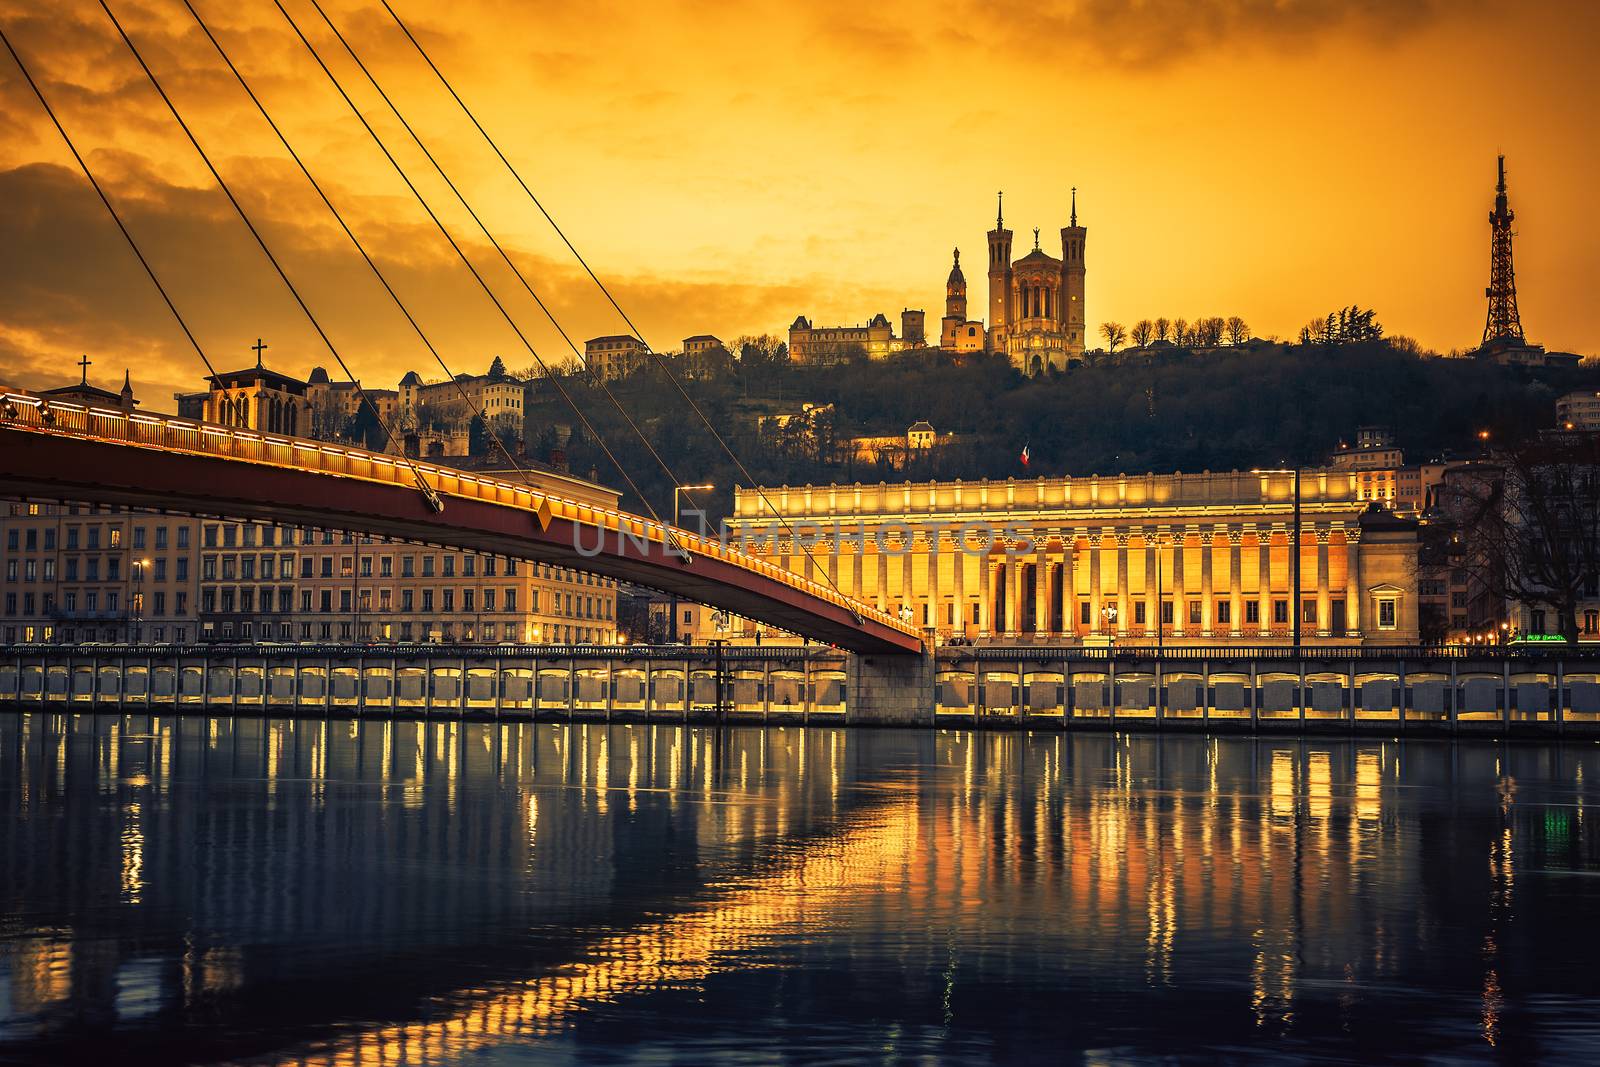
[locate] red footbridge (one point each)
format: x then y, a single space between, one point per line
54 450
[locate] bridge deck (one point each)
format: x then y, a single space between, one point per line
62 451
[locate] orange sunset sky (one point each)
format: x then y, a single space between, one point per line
732 165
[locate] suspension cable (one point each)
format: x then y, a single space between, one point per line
600 440
428 492
527 479
493 241
721 441
87 173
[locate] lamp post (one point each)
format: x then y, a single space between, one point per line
136 616
1109 614
677 490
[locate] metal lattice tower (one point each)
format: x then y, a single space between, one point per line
1504 324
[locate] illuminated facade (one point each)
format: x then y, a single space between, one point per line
1036 315
614 356
1103 558
825 345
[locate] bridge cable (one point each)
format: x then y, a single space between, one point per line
721 441
527 479
145 263
599 439
495 243
428 493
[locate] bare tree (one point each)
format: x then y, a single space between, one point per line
1114 333
1525 525
1180 332
1143 332
1208 331
1238 330
1163 329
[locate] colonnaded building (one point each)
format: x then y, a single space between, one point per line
1099 559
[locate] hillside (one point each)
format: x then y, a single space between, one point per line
1174 411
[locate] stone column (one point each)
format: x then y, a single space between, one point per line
1208 607
856 564
907 584
1096 623
1180 607
1041 584
986 576
1352 579
1264 589
1152 602
883 574
958 561
1069 582
934 602
1124 601
1235 582
1016 609
1324 597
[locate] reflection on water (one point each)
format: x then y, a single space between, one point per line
214 889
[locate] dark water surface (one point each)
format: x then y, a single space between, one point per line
193 889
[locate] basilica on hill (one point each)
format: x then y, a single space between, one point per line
1036 315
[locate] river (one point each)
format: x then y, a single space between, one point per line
194 889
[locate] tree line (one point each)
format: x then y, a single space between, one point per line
1201 333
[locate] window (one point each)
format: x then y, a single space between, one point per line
116 537
449 566
183 569
1138 613
448 600
1194 613
161 537
183 542
138 537
469 566
1538 621
386 566
1280 612
1224 613
407 566
1166 613
1386 613
511 600
344 600
327 566
1083 612
1252 612
1308 611
488 600
1591 622
72 537
161 569
72 570
427 600
326 601
407 600
427 566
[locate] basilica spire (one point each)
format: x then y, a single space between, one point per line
1074 206
999 210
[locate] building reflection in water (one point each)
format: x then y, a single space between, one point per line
381 892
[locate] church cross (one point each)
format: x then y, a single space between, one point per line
1036 238
257 348
84 363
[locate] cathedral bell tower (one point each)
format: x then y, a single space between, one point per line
955 304
999 279
1072 240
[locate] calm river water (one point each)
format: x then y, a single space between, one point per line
193 889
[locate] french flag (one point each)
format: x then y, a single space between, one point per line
1025 455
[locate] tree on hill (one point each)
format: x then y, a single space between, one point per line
478 443
1114 333
1143 332
1238 330
497 369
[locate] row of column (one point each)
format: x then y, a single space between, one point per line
1026 587
1037 302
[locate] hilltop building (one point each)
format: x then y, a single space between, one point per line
614 355
827 345
1036 315
81 392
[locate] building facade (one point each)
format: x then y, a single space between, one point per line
826 345
614 356
1196 559
1578 411
1036 303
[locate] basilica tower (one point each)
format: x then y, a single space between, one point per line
999 279
1072 240
955 304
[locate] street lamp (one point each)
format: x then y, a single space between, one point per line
673 602
137 614
1109 614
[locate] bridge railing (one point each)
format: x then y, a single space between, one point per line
27 411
